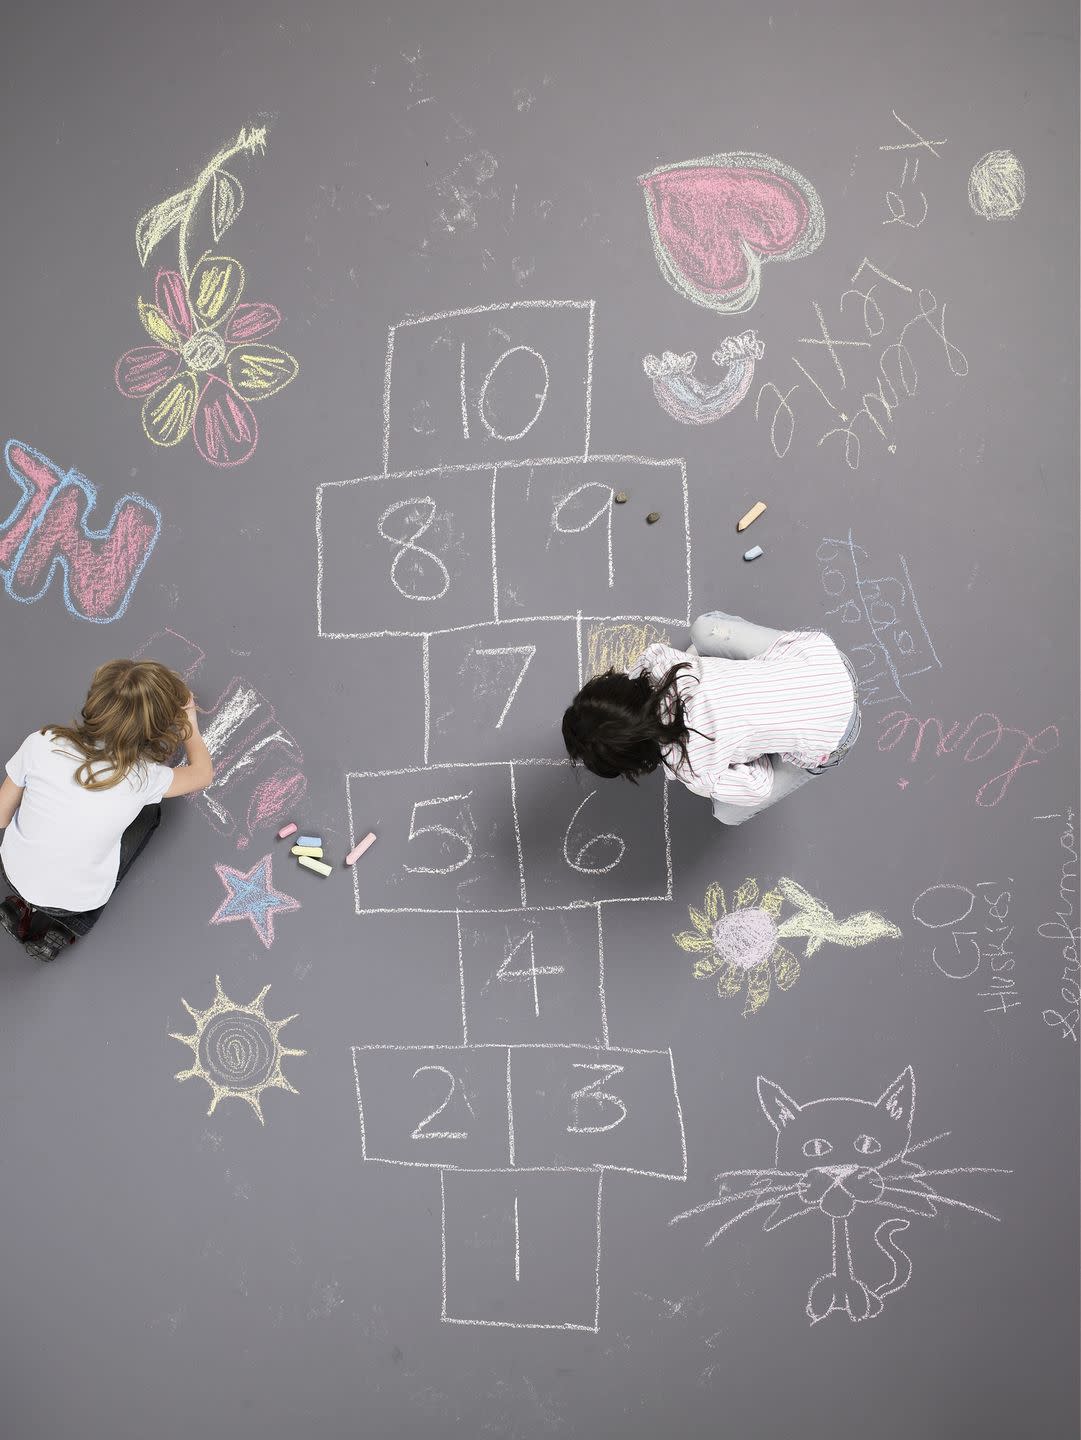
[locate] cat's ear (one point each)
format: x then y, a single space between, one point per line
899 1098
778 1108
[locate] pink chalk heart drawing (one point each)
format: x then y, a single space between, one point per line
714 220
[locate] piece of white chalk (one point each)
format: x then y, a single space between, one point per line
316 865
309 840
358 850
286 830
753 553
316 850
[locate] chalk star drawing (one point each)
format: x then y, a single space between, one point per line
236 1050
251 896
741 946
867 1146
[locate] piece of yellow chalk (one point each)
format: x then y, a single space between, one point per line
314 850
751 515
316 865
359 849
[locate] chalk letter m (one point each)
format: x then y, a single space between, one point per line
47 531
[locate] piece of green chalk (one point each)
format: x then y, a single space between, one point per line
316 865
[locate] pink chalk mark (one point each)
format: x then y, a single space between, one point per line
713 222
358 850
902 784
226 430
171 299
141 371
252 321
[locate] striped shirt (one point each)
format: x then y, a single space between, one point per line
794 700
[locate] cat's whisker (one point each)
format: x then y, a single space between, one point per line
937 1199
945 1135
777 1192
764 1205
787 1174
966 1170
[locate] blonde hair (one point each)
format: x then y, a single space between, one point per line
134 712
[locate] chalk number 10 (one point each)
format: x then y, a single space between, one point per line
497 387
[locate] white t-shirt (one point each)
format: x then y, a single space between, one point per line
62 849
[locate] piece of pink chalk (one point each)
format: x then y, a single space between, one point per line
358 850
286 830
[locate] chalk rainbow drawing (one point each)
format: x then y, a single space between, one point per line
714 220
867 1146
208 362
996 185
742 947
682 395
250 895
236 1050
47 534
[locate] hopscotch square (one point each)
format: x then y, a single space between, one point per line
422 541
531 977
491 382
436 1106
586 840
448 839
522 1250
571 550
489 690
580 1108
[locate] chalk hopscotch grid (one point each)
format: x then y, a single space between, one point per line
512 1168
441 315
524 1324
525 904
494 467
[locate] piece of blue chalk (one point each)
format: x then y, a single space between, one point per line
753 553
309 840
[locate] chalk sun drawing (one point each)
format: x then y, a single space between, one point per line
714 220
208 363
681 394
996 186
236 1050
742 947
250 895
866 1147
47 533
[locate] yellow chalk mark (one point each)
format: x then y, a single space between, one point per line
256 371
618 646
996 186
157 327
236 1050
167 414
216 284
741 946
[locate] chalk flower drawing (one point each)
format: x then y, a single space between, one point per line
742 946
844 1159
714 220
208 362
236 1050
681 394
251 896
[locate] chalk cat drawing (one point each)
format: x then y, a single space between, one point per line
846 1160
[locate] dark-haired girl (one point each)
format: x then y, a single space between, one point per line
743 717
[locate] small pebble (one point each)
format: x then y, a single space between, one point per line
653 517
621 497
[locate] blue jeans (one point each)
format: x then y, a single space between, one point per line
729 637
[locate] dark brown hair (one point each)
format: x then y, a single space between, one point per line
619 724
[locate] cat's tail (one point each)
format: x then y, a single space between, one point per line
901 1264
